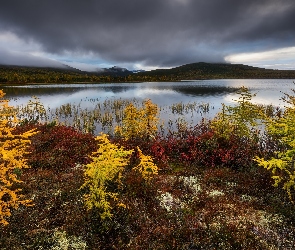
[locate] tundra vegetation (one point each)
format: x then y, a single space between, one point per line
223 183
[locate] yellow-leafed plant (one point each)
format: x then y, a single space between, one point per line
103 173
146 167
239 119
282 128
139 122
12 152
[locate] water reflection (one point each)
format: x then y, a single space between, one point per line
164 94
98 97
117 88
204 90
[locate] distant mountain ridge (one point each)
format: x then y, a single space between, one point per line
193 71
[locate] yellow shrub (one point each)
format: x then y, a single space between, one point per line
105 171
139 122
107 165
146 167
239 119
282 166
12 153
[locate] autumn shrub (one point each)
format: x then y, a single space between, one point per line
202 146
231 139
13 150
235 137
282 164
139 132
241 119
58 146
103 176
139 122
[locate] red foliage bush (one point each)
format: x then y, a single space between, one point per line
58 147
200 146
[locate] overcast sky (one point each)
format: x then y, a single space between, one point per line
147 34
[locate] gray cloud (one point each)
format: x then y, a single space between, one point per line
154 32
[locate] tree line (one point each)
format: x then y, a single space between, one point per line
194 71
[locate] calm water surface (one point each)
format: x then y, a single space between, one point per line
164 94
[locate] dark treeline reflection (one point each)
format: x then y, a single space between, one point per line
204 90
22 92
116 88
66 89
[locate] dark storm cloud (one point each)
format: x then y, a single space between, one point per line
157 32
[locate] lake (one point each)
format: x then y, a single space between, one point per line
165 94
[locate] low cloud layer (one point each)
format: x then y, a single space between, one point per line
160 33
21 58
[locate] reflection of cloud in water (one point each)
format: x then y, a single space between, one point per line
146 92
265 98
229 99
267 101
159 96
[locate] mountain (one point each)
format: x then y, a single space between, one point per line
115 71
135 71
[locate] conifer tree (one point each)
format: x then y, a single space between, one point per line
282 129
139 122
13 149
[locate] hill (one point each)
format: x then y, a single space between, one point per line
196 71
193 71
22 74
